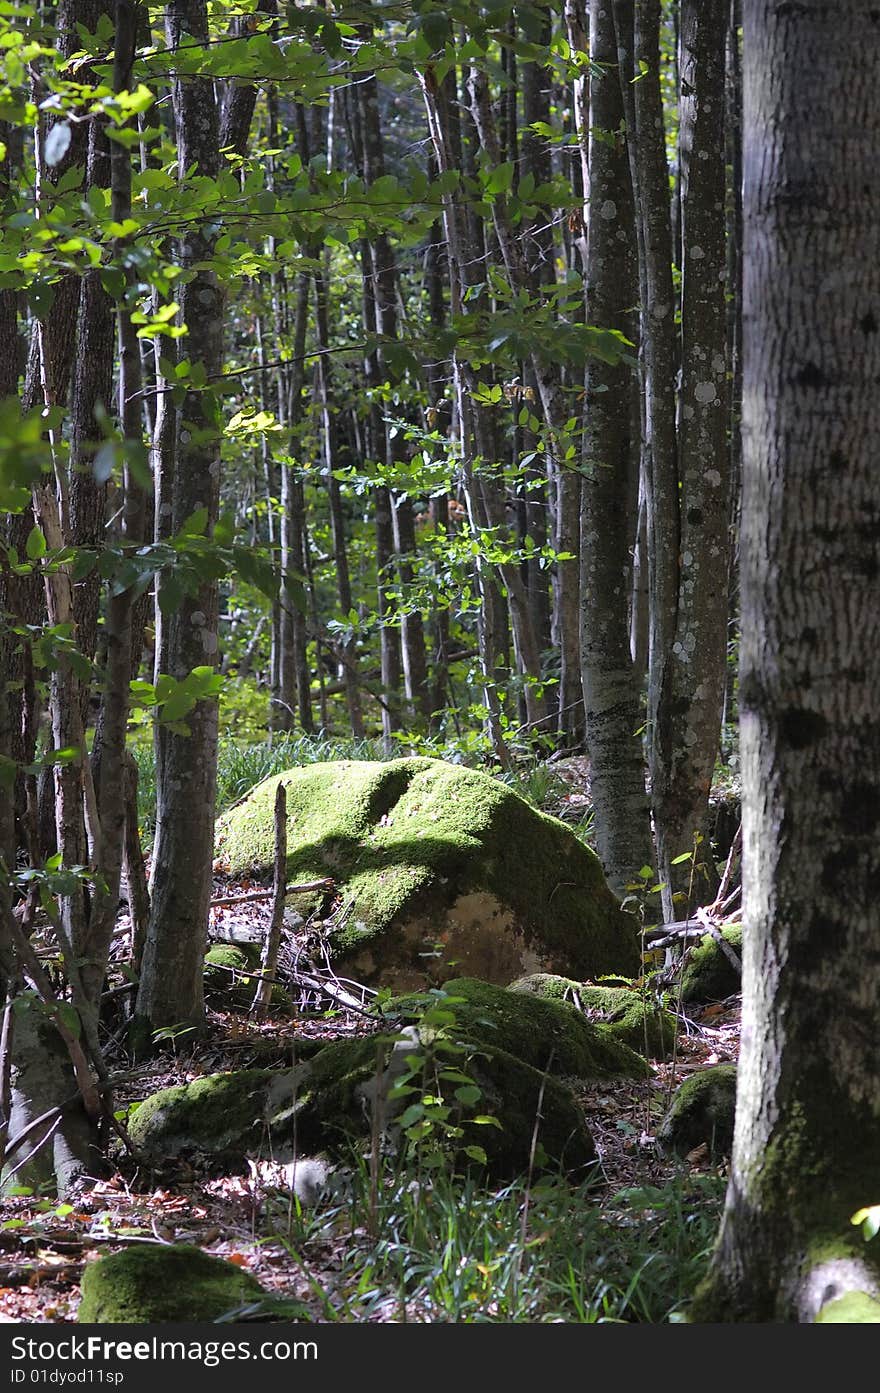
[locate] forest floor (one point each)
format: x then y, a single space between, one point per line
248 1218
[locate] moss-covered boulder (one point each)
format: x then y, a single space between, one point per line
221 1115
427 853
643 1025
702 1111
548 1035
162 1282
709 975
228 977
326 1106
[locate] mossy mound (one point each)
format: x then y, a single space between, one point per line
644 1026
547 1035
426 852
228 977
161 1282
221 1115
325 1106
709 975
702 1111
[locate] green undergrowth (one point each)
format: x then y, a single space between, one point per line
451 1249
240 767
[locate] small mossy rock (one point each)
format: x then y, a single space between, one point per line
228 979
548 1035
702 1111
853 1308
429 852
162 1282
709 975
644 1026
326 1107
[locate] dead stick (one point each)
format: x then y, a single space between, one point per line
5 1074
269 960
254 895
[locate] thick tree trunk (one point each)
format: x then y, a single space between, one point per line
808 1103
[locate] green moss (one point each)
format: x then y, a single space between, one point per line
218 1114
702 1111
709 975
544 1034
326 1105
162 1283
518 1095
855 1308
642 1025
408 838
229 983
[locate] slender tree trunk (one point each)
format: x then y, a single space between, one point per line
348 649
609 506
295 676
170 990
808 1101
386 294
463 258
688 713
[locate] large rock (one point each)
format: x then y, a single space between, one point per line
441 869
326 1107
548 1035
163 1282
626 1014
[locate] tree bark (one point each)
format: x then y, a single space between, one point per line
691 695
808 1101
609 505
170 991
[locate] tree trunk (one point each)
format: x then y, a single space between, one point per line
609 507
170 991
688 714
808 1102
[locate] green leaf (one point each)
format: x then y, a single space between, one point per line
476 1153
69 1017
468 1094
196 524
501 178
170 593
36 544
869 1220
414 1113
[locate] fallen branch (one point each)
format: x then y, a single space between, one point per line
254 895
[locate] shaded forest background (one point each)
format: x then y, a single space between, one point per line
370 385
